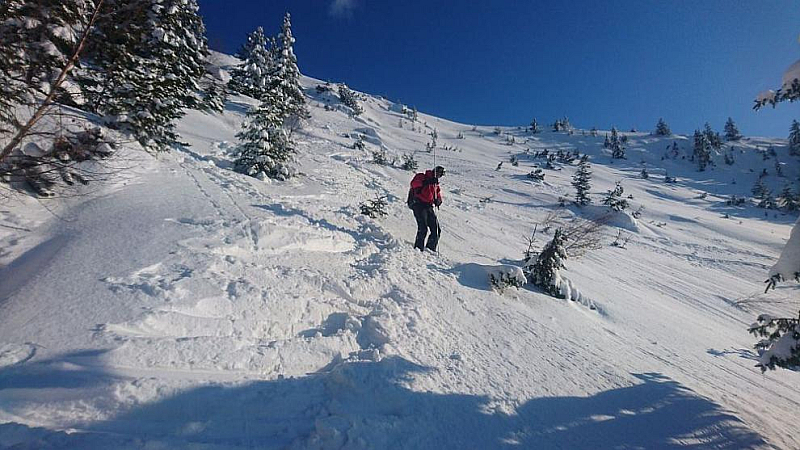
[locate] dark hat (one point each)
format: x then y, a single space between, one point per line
439 171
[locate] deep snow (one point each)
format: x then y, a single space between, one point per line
188 306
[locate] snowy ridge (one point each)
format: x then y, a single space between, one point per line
199 308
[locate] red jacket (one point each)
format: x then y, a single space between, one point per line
425 188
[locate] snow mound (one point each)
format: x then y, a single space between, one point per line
15 353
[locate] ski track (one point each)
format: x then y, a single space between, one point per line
219 311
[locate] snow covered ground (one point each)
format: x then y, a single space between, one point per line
188 306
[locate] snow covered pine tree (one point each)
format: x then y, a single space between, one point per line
544 272
251 76
794 139
732 131
662 129
143 66
581 182
781 344
266 149
701 150
285 77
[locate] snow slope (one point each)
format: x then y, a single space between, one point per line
189 306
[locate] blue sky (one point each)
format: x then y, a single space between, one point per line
602 63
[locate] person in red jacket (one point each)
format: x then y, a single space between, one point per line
422 197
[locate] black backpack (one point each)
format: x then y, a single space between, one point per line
412 199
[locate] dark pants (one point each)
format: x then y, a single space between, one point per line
426 220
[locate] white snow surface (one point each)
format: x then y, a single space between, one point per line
189 306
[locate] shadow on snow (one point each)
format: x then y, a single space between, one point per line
367 405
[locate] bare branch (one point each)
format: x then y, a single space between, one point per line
50 98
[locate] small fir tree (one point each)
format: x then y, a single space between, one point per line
562 124
759 190
265 147
768 201
348 98
794 139
375 208
662 129
214 94
614 198
409 162
788 200
545 271
732 131
701 152
581 181
535 128
616 145
712 137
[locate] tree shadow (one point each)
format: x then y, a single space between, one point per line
367 404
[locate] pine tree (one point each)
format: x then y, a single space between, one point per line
348 98
701 150
251 77
712 137
562 124
732 131
794 139
265 147
780 343
614 198
535 127
788 200
582 183
37 38
662 129
759 191
545 271
285 76
768 201
616 145
144 65
214 94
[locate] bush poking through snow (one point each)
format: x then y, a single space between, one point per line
781 344
379 157
621 240
504 278
614 198
409 163
375 208
536 175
